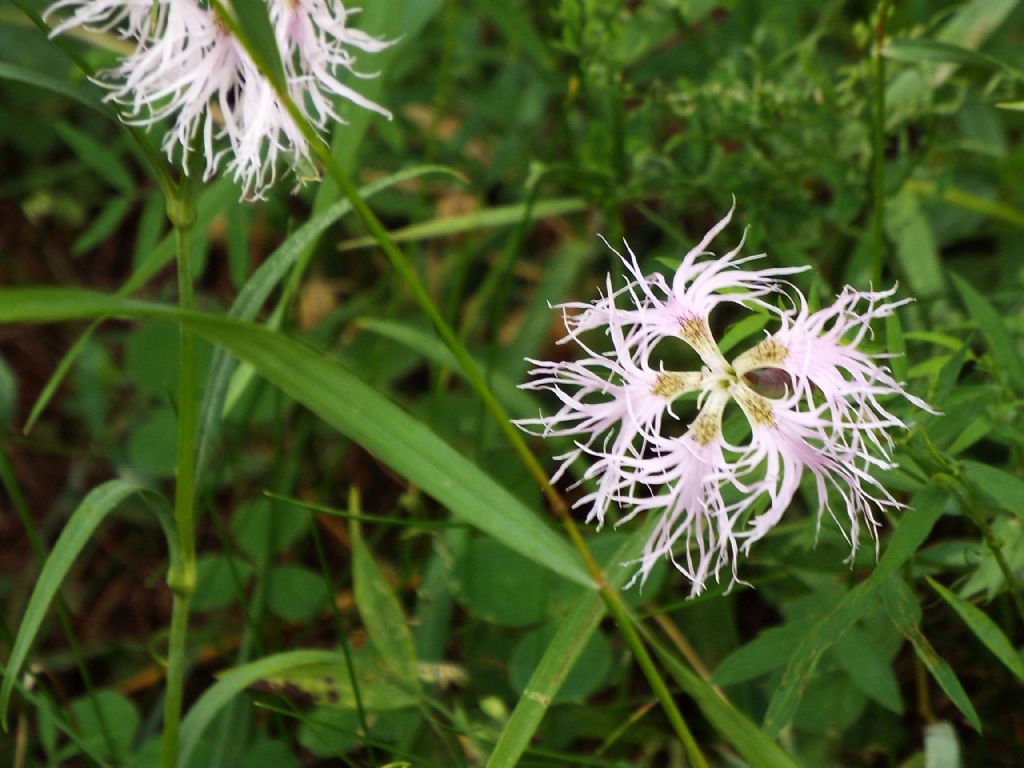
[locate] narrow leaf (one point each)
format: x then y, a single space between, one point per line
488 218
211 201
906 615
93 510
755 745
574 631
984 629
236 680
345 402
382 614
264 280
999 485
32 77
918 50
991 325
100 159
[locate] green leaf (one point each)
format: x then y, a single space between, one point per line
916 250
100 159
984 629
213 200
991 325
917 523
120 717
330 685
589 673
345 402
752 743
557 663
219 580
771 649
264 280
407 445
260 527
916 50
295 593
62 87
105 222
959 198
897 344
862 661
999 485
905 612
93 510
236 680
743 329
519 403
502 587
382 614
487 218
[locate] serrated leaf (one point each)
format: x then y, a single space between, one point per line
985 629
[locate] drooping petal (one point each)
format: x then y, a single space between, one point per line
187 68
695 527
613 405
785 442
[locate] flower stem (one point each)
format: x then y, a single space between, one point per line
611 596
181 576
402 265
878 145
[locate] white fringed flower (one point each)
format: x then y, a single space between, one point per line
187 68
714 498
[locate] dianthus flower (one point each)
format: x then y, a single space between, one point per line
714 499
186 67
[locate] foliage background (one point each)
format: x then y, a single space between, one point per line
556 122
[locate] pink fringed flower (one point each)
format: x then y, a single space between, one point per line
713 498
188 69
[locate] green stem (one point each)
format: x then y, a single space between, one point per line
878 146
404 267
181 576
